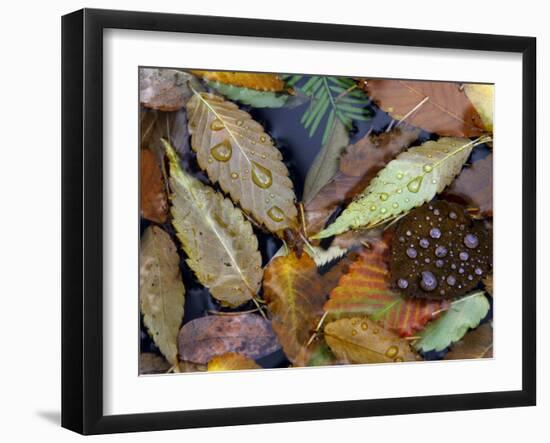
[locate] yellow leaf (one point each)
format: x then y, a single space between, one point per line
235 152
221 248
483 98
231 361
260 82
360 340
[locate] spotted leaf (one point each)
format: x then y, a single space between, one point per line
221 247
410 180
235 152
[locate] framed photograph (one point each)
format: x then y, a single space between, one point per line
311 221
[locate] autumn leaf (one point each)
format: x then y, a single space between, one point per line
202 339
475 344
251 97
317 354
153 200
161 290
250 80
295 297
326 161
483 98
474 187
150 363
463 314
360 340
365 290
235 152
163 89
357 167
410 180
440 107
488 282
221 247
231 361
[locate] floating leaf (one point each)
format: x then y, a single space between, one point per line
410 180
237 153
358 166
250 80
161 291
439 252
231 361
153 200
150 363
440 107
360 340
219 242
202 339
451 326
251 97
474 187
326 161
295 297
365 291
483 98
163 89
475 344
332 98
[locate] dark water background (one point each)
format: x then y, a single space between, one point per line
299 151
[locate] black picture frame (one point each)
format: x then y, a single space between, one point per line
82 219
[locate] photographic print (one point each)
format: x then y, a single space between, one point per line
296 220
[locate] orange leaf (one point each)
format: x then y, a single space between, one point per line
295 296
260 82
154 204
231 361
440 107
358 166
365 290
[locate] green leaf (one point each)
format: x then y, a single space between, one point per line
410 180
462 315
252 97
221 247
327 160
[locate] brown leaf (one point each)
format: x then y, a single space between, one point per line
360 340
475 344
153 199
488 282
358 166
150 363
251 80
248 334
366 290
474 187
231 361
163 89
440 107
295 296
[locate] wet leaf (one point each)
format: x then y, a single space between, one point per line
251 97
326 161
365 290
483 98
150 363
295 297
237 153
317 354
161 291
250 80
221 247
153 200
358 166
451 326
475 344
231 361
360 340
440 107
410 180
250 335
163 89
474 187
172 126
